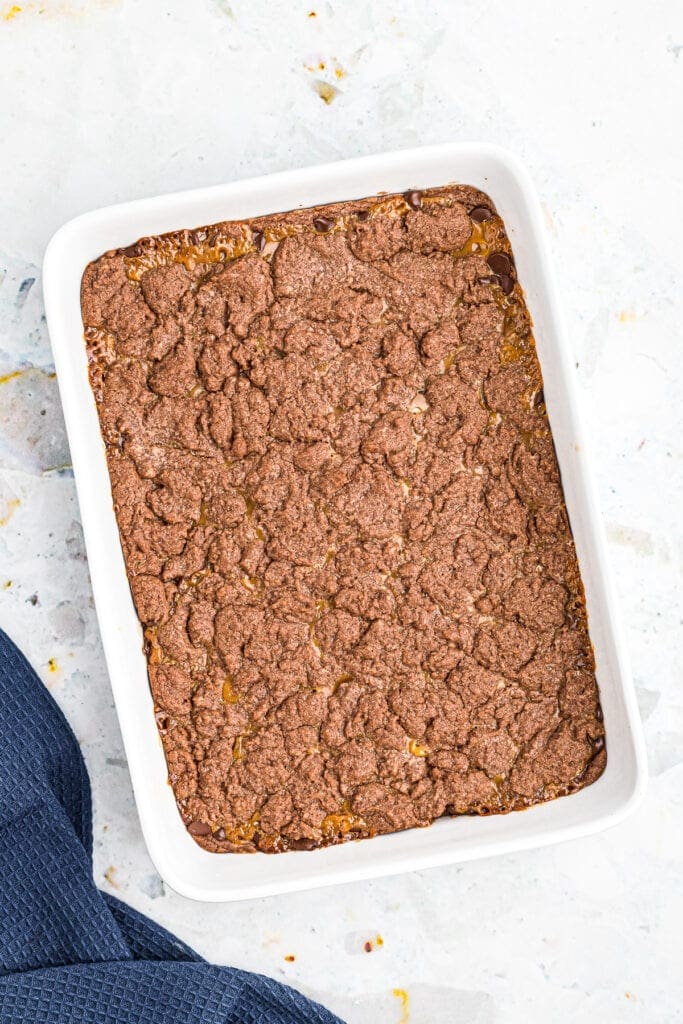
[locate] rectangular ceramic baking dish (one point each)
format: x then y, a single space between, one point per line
190 870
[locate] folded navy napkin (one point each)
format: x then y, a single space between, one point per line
69 953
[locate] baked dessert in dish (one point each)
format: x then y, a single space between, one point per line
342 520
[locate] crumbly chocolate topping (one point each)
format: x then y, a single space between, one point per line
342 521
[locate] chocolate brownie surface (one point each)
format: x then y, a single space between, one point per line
342 521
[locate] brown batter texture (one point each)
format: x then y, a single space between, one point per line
342 521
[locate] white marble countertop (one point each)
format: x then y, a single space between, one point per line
105 101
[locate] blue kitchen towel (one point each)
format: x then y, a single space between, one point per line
69 953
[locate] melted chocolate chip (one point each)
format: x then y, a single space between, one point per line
199 828
413 199
500 263
363 215
323 224
506 283
219 833
259 240
131 250
599 714
598 744
539 399
302 844
480 213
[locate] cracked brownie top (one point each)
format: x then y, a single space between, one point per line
342 520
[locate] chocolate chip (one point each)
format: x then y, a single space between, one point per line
413 199
363 215
598 744
219 833
367 946
480 213
500 263
162 721
323 224
302 844
506 283
539 399
259 240
599 716
131 250
199 828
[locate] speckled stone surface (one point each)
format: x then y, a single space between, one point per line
108 101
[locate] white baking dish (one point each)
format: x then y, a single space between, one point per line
184 865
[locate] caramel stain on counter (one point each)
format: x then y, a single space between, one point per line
290 958
110 874
326 92
8 584
7 377
627 316
10 508
401 994
56 10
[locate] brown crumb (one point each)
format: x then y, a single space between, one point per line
290 958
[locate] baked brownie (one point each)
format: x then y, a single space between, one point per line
342 520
